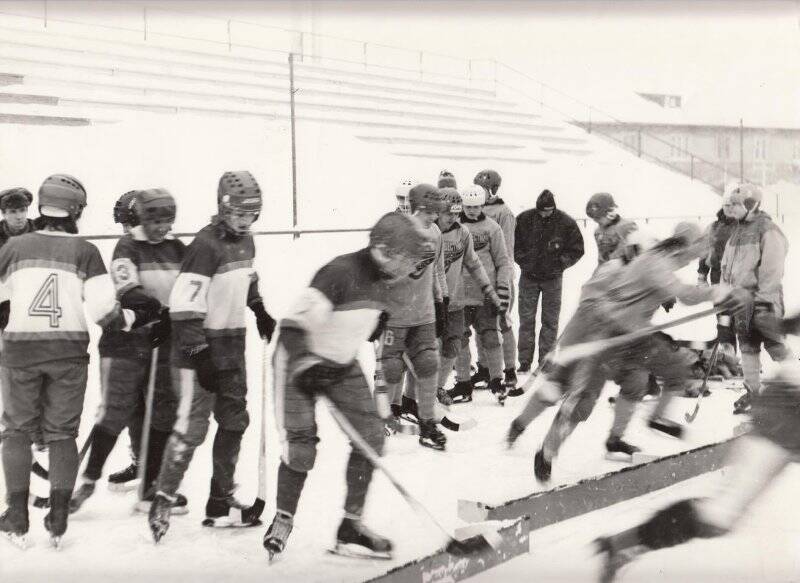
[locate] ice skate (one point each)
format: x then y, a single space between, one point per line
408 410
353 539
14 522
180 505
481 376
277 534
430 436
124 480
542 467
228 512
81 495
56 520
499 390
443 397
510 381
618 450
743 404
461 393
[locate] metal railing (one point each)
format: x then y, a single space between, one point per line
232 34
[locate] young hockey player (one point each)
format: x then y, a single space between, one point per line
217 281
316 353
487 239
755 460
417 316
126 479
612 230
497 210
754 259
50 277
459 251
145 263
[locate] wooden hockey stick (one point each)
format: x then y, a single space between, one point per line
148 417
711 362
474 544
261 499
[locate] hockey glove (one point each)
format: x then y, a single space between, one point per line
320 377
669 304
379 329
161 329
146 308
207 375
440 308
264 322
5 312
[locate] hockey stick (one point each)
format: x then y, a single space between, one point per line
144 446
261 499
711 362
474 544
586 349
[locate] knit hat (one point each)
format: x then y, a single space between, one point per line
446 179
15 198
599 205
546 201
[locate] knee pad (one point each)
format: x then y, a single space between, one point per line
451 346
393 368
426 363
301 450
238 421
490 339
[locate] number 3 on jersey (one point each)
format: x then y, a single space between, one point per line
45 303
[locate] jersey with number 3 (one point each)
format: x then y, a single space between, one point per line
216 283
48 276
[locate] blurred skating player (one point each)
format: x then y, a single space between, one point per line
754 259
459 251
417 317
50 277
483 316
144 265
497 210
217 281
755 460
316 353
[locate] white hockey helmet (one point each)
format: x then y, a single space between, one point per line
473 195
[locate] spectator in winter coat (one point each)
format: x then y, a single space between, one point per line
546 242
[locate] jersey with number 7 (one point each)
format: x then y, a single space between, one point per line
49 276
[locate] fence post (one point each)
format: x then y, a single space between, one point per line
144 17
230 41
294 146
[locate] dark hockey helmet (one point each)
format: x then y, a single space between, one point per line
452 199
400 235
599 205
426 197
446 179
238 190
154 204
489 179
747 194
15 198
125 209
62 195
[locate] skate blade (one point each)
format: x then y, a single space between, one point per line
433 446
123 487
355 551
461 400
274 557
18 540
56 542
410 418
143 507
228 522
618 456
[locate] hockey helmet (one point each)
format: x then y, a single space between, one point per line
125 209
400 235
239 191
426 197
62 195
452 199
446 179
599 205
154 204
489 179
473 195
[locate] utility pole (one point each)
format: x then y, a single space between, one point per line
741 149
294 147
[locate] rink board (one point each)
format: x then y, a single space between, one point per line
570 500
441 566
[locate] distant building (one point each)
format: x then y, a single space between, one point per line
707 145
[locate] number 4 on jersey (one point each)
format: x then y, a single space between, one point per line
45 303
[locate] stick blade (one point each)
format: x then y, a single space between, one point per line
471 546
693 415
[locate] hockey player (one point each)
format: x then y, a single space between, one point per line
217 281
417 316
125 479
754 259
487 239
755 460
316 353
497 210
612 230
144 264
401 194
459 251
50 276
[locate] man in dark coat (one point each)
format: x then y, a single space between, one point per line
546 242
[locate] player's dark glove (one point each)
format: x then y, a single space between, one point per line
668 305
380 327
207 375
320 377
146 308
264 322
161 329
440 308
5 312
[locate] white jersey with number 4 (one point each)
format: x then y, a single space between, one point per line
49 276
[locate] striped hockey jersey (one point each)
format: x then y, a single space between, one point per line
459 251
153 267
487 238
497 210
48 277
411 299
339 310
217 281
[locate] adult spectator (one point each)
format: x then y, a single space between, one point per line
546 242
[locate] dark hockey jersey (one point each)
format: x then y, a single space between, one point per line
216 283
49 276
152 266
339 310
